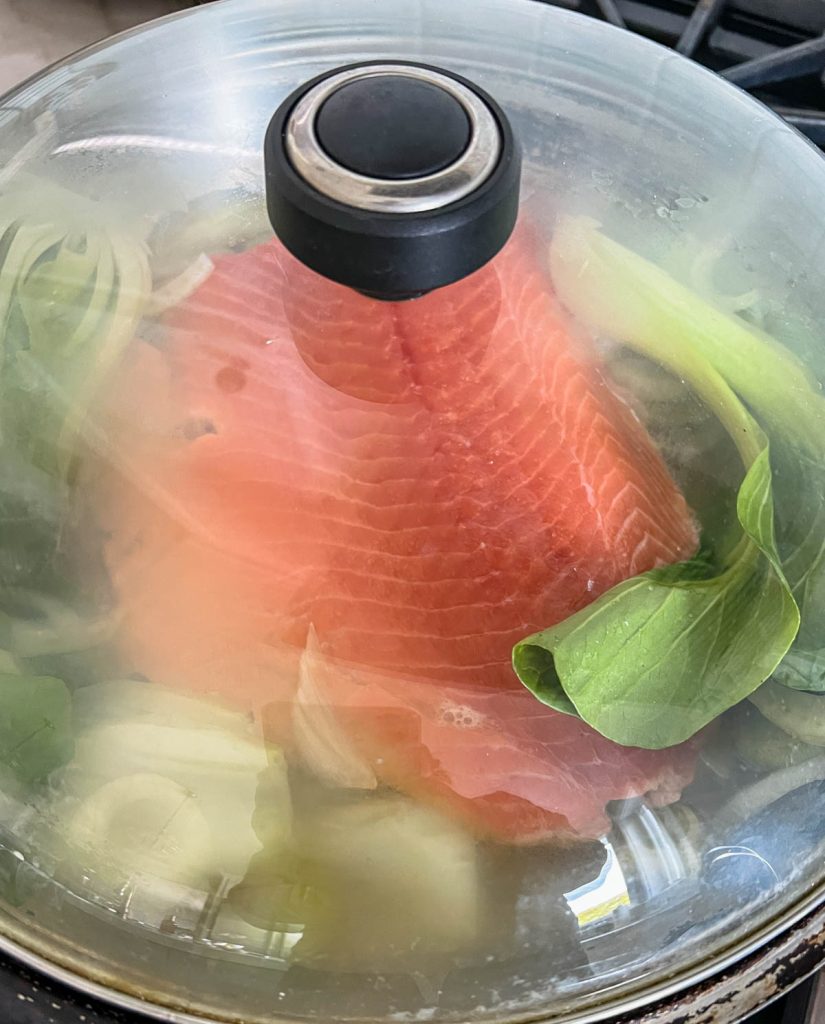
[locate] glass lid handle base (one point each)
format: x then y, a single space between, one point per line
392 178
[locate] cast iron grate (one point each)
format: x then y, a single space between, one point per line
775 49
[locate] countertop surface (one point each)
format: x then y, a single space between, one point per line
34 33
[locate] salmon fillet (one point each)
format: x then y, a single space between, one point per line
422 484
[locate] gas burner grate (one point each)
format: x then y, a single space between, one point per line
775 49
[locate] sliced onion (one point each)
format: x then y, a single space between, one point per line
142 823
324 746
180 287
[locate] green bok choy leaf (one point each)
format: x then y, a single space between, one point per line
661 655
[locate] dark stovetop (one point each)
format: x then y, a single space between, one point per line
776 50
28 998
795 1008
773 48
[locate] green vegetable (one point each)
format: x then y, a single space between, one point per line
802 669
801 535
764 745
35 723
661 655
73 284
801 715
8 663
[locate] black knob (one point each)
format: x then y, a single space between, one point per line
393 127
391 178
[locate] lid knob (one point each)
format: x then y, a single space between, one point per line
391 178
393 127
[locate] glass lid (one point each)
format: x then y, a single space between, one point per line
412 548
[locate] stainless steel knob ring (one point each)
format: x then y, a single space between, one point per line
381 195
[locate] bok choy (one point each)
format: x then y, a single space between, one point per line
659 656
73 286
